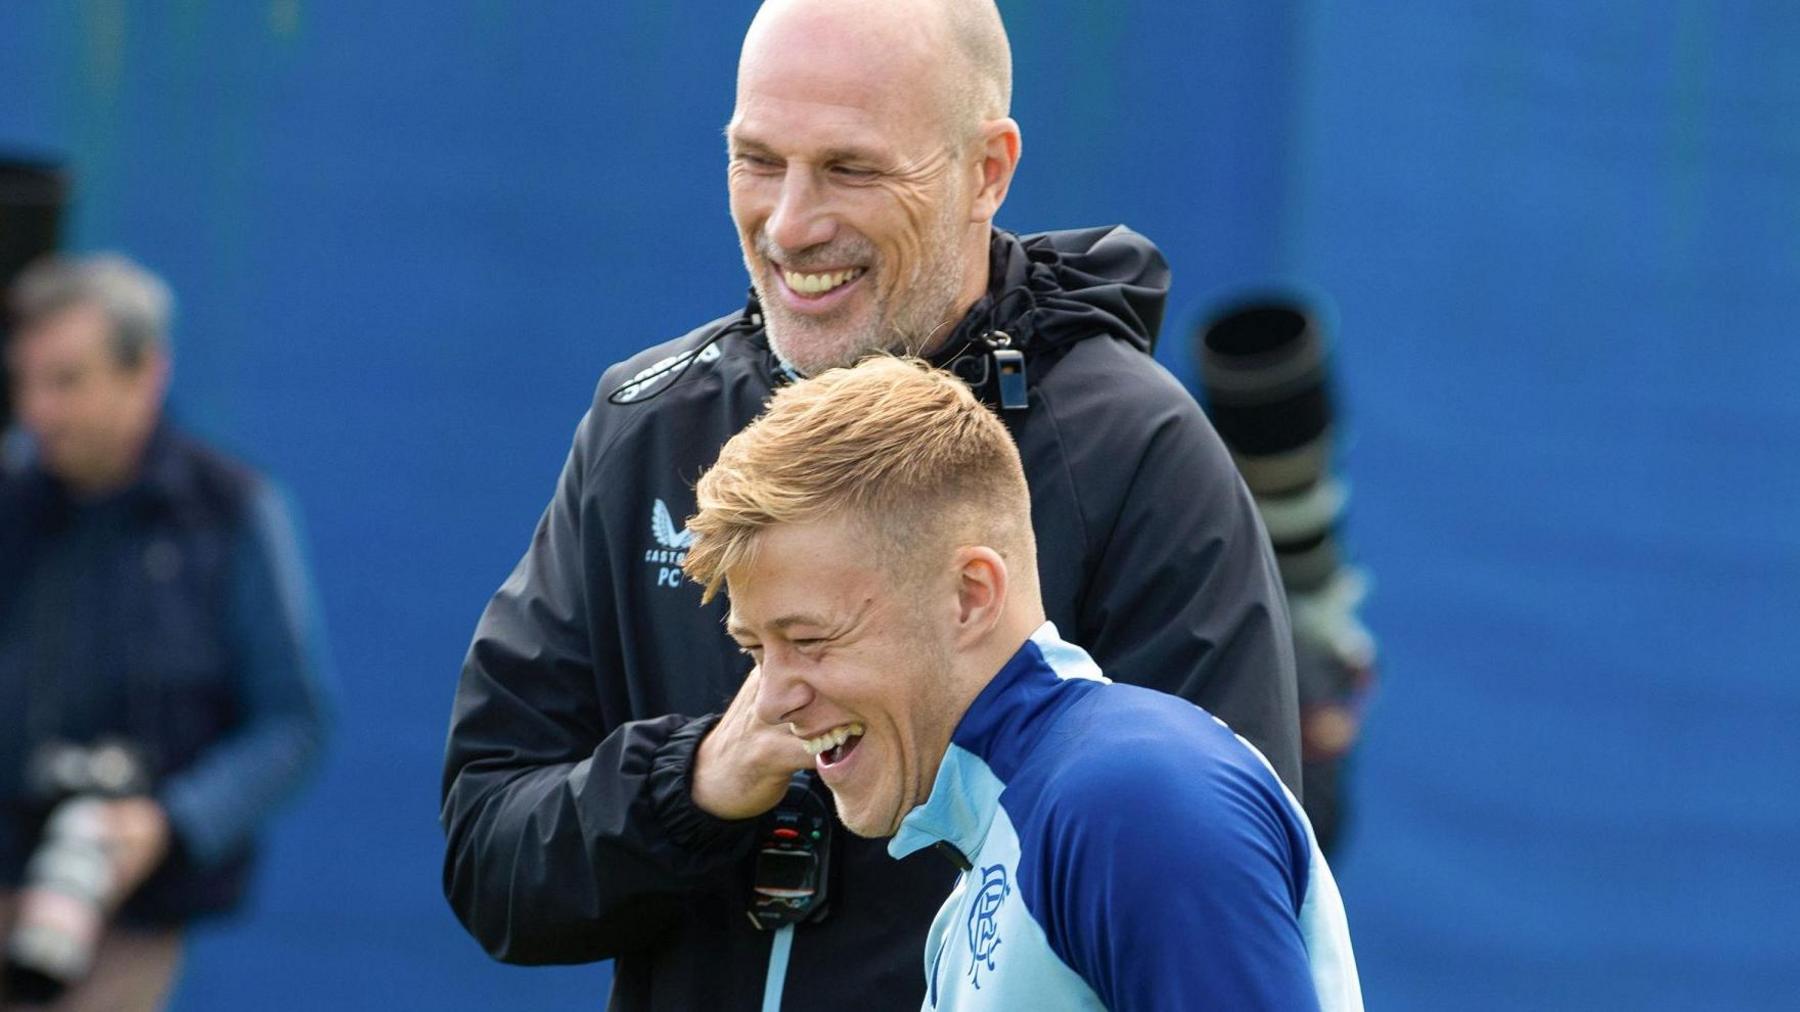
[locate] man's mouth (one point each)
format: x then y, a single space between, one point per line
835 745
819 283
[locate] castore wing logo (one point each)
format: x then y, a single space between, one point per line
674 541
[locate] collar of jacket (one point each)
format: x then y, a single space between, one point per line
994 737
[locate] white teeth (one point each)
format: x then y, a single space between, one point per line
816 284
832 738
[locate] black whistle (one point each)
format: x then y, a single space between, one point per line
1009 373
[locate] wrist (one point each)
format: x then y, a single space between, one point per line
710 784
672 793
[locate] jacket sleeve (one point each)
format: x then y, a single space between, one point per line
571 833
278 661
1185 596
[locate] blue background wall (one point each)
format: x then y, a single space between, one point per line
1562 243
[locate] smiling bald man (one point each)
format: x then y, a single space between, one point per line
610 790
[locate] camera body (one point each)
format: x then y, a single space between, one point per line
69 885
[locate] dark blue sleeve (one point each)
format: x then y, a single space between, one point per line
1172 891
277 650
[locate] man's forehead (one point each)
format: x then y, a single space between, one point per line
75 329
875 68
781 623
814 131
816 572
847 94
803 608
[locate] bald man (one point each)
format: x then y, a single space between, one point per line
609 789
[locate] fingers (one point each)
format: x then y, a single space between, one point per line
138 834
742 766
762 717
744 703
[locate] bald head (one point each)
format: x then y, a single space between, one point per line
958 46
869 152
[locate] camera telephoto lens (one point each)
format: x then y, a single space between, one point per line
1264 369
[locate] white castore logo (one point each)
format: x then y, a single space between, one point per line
663 370
674 541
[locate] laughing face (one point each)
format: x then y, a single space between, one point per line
853 197
854 662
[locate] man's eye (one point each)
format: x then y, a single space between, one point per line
853 172
761 163
754 653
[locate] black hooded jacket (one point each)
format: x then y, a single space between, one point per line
595 671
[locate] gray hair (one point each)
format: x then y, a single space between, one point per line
136 302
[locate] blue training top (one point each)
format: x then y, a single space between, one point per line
1126 851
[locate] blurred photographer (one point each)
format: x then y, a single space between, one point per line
1267 370
158 666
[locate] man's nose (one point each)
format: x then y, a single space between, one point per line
781 694
801 218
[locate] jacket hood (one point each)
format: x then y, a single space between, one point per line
1050 289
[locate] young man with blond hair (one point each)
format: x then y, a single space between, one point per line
1119 847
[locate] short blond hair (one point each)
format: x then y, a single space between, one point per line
902 449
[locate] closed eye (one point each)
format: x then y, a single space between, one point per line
757 162
813 648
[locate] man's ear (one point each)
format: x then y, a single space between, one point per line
999 153
981 586
160 370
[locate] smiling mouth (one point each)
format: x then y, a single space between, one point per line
818 284
835 745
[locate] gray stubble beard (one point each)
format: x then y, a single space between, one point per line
928 297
